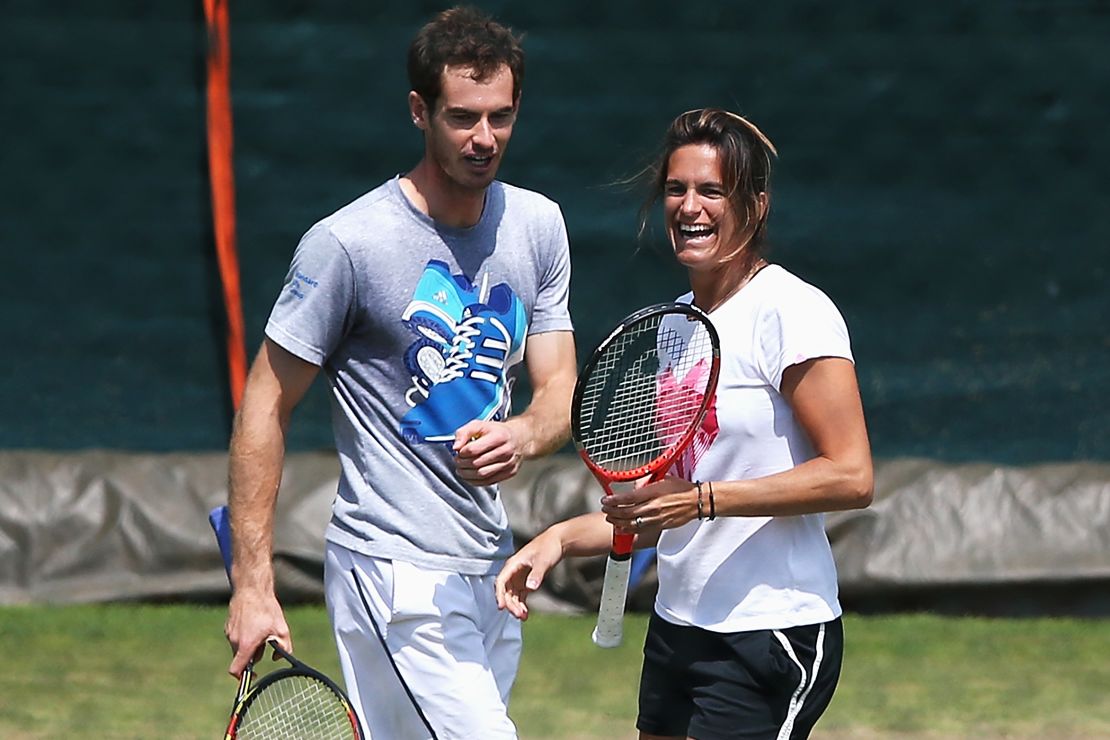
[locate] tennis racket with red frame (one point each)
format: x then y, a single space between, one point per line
293 703
637 406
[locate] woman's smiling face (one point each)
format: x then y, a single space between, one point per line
697 211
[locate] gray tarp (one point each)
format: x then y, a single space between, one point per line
100 526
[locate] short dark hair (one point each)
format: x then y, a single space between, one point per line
745 155
462 37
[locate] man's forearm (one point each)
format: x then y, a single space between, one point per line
545 424
254 471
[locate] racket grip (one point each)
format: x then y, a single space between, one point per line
614 591
221 526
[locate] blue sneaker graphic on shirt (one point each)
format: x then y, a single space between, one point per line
473 383
437 305
438 302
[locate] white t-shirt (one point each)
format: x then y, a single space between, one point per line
736 574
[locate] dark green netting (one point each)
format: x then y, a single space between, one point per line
943 176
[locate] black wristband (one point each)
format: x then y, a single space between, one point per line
698 484
712 503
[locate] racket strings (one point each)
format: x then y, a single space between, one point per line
645 392
295 707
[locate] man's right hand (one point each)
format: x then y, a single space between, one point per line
252 619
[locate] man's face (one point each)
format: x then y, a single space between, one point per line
472 123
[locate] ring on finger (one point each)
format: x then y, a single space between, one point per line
639 522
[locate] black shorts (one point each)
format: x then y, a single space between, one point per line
761 684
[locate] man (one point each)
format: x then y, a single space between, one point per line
416 300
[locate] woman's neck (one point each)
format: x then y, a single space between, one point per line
712 289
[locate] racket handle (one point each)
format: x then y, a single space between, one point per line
614 591
623 543
221 526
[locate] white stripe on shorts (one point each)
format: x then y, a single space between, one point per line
797 701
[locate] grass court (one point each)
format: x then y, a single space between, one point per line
139 671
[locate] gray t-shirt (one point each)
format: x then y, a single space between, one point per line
418 326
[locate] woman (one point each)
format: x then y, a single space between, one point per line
745 640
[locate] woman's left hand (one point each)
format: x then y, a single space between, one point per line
665 504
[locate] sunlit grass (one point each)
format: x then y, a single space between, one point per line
139 671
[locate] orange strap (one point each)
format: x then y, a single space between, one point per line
222 182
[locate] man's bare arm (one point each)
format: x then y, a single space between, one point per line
278 381
552 370
490 452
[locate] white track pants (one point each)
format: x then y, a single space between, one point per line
438 658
